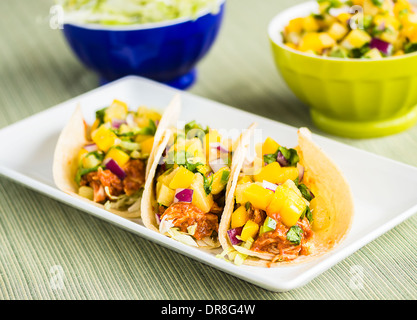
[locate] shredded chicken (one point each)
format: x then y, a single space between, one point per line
276 242
184 215
98 180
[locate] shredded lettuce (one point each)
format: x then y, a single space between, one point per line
122 12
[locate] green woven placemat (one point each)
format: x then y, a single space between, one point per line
51 251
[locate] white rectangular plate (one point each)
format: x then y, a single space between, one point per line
383 190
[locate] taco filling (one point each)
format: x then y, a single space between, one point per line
190 185
272 209
285 205
112 164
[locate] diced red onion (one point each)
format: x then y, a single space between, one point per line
91 147
115 168
116 123
383 46
300 172
158 218
183 195
282 160
218 146
217 164
269 185
232 233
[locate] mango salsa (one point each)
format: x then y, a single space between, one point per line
337 31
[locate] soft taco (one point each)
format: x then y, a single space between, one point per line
288 205
107 163
189 183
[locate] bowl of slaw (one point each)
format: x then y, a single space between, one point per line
354 98
157 39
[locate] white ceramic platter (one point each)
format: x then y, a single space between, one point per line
384 190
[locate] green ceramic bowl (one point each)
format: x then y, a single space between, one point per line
352 98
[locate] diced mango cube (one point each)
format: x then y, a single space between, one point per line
141 137
295 25
182 179
258 196
118 155
344 18
310 41
249 230
239 217
239 193
286 204
147 145
270 146
104 138
310 24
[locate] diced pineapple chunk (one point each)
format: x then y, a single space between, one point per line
274 173
90 161
373 54
287 204
356 39
194 147
167 176
104 138
117 110
337 31
258 196
182 179
239 217
390 35
220 179
249 230
200 199
81 155
165 196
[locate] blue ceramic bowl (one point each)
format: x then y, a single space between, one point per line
166 52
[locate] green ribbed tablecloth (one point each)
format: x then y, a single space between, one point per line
41 238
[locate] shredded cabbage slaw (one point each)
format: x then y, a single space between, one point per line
126 12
